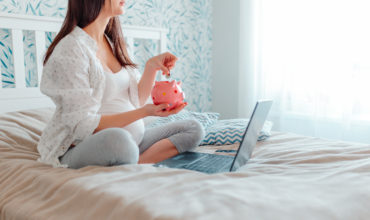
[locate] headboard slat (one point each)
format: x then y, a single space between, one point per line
18 54
40 50
1 79
163 42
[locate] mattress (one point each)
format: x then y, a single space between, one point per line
289 177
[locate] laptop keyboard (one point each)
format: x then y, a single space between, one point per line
210 164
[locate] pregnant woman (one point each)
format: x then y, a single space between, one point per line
100 104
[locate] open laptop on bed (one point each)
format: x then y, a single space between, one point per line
212 163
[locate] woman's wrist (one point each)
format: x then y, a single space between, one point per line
143 112
149 66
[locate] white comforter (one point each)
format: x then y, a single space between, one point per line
289 177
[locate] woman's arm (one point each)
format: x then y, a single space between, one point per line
125 118
164 62
146 84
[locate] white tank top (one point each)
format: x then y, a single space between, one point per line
116 99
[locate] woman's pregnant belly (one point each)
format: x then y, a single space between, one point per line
136 128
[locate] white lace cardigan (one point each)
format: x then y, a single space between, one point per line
74 79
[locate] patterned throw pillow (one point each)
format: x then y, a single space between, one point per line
205 118
230 131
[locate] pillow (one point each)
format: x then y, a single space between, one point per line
230 131
206 119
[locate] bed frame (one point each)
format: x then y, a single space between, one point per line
22 97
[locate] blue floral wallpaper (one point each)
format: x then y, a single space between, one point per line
189 38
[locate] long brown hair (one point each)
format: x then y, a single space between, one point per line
82 13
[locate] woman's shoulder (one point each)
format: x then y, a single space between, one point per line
69 43
77 39
70 47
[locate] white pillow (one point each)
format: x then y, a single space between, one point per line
149 119
206 119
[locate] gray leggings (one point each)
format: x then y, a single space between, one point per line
115 146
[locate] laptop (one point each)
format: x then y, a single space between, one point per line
213 163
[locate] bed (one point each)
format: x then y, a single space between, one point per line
289 177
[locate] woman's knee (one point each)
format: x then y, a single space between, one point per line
192 136
122 146
198 131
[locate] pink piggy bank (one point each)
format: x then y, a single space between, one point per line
168 92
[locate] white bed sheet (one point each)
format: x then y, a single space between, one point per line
289 177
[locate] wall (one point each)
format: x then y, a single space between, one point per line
233 58
225 58
189 38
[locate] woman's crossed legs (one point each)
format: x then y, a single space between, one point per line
115 146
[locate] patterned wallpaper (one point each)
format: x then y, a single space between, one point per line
189 38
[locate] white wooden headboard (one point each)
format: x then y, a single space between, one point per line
22 97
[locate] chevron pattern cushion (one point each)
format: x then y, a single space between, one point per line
230 131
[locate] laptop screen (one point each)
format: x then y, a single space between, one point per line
251 134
